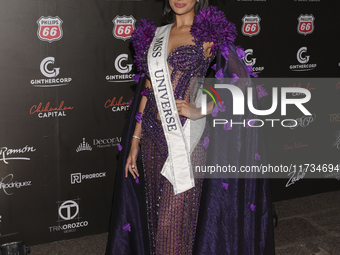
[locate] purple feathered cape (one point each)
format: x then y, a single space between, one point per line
235 215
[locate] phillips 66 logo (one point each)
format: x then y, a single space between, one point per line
306 24
251 25
49 28
123 27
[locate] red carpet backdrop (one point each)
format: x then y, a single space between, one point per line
66 72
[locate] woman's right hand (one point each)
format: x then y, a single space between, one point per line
131 162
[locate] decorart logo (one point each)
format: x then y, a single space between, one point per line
78 177
47 69
123 26
252 61
117 106
49 28
306 24
123 68
7 154
7 184
107 142
303 59
68 211
84 146
48 111
251 25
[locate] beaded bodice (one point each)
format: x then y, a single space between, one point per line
185 62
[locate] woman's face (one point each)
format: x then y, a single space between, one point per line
182 6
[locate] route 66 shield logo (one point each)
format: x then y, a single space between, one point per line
49 28
306 24
123 27
251 25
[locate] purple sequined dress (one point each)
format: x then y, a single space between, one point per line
171 218
229 216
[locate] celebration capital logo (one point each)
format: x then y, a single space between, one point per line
49 28
306 24
123 26
251 25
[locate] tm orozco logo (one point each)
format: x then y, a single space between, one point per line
84 146
49 28
303 59
251 25
306 24
238 105
7 154
123 27
78 177
252 61
49 71
123 68
67 211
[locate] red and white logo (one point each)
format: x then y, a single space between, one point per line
123 26
251 25
306 24
49 28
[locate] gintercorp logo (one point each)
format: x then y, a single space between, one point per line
123 68
117 106
48 111
123 26
84 146
303 59
49 28
68 210
47 71
306 24
252 61
78 177
251 25
7 154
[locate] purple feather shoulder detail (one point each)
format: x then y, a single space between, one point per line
141 39
211 25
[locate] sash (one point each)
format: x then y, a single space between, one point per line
180 140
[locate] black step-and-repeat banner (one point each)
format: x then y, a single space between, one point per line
66 83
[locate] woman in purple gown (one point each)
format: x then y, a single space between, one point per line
153 212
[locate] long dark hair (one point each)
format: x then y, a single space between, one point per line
169 15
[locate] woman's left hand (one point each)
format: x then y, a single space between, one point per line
184 109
